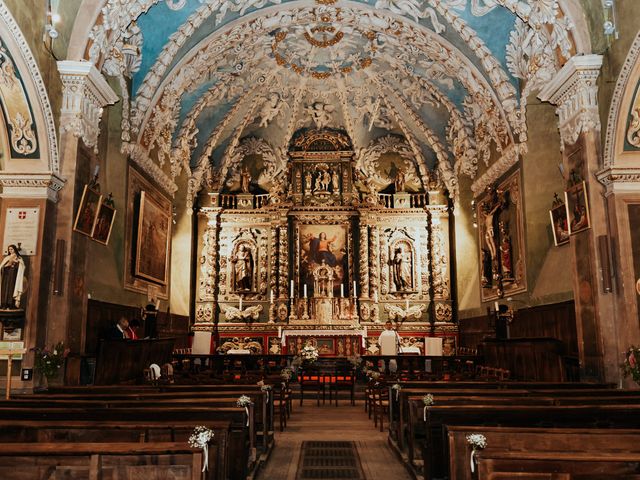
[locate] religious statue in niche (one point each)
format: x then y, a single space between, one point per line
323 180
245 180
12 270
243 268
323 280
400 181
402 269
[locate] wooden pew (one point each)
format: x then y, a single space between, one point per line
519 439
591 465
73 431
30 461
575 416
241 437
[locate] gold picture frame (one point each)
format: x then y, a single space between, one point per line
87 213
153 239
104 224
577 205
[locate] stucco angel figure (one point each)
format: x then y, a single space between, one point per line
11 279
232 313
270 109
320 114
411 8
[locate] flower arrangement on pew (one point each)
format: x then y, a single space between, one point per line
265 388
244 402
477 442
630 367
428 401
49 360
200 438
396 388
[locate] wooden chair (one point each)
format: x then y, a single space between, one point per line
380 403
280 405
311 381
343 382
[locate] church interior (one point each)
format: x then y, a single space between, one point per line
318 239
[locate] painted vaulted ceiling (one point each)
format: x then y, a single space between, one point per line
205 82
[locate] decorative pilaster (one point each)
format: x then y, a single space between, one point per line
364 260
575 92
85 94
374 260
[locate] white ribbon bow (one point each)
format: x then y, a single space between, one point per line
205 452
246 409
471 461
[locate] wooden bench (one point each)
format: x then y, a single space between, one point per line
73 431
518 439
591 465
93 461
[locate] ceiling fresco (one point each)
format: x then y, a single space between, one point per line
206 81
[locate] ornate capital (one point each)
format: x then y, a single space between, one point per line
31 185
85 94
575 92
620 179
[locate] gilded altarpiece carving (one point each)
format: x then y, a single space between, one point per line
320 259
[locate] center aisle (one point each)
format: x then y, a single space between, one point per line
331 423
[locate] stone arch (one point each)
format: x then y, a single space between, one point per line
24 62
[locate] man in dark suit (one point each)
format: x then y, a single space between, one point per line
118 331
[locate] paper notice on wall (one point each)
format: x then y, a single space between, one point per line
7 347
21 229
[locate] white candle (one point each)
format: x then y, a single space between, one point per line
271 296
305 290
279 332
291 289
342 290
354 289
365 330
375 297
406 303
240 302
158 305
495 306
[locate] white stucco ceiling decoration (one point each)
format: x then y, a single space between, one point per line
425 70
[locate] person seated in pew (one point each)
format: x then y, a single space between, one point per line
131 332
118 331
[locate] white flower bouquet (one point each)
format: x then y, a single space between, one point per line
200 438
477 442
428 401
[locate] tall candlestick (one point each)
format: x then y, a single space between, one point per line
342 290
291 289
354 289
240 302
305 290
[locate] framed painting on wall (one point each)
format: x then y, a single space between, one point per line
87 211
153 239
577 206
559 224
104 223
136 184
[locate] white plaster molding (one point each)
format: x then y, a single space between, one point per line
575 93
139 155
51 148
619 179
31 185
498 168
617 102
85 94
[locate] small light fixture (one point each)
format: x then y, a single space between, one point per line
609 25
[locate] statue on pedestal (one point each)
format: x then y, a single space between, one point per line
11 279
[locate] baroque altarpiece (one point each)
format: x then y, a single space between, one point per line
322 257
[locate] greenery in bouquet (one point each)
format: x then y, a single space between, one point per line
49 360
309 353
630 367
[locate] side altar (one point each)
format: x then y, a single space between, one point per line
318 245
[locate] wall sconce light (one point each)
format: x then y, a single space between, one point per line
609 25
52 18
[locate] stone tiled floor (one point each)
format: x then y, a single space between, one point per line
326 422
